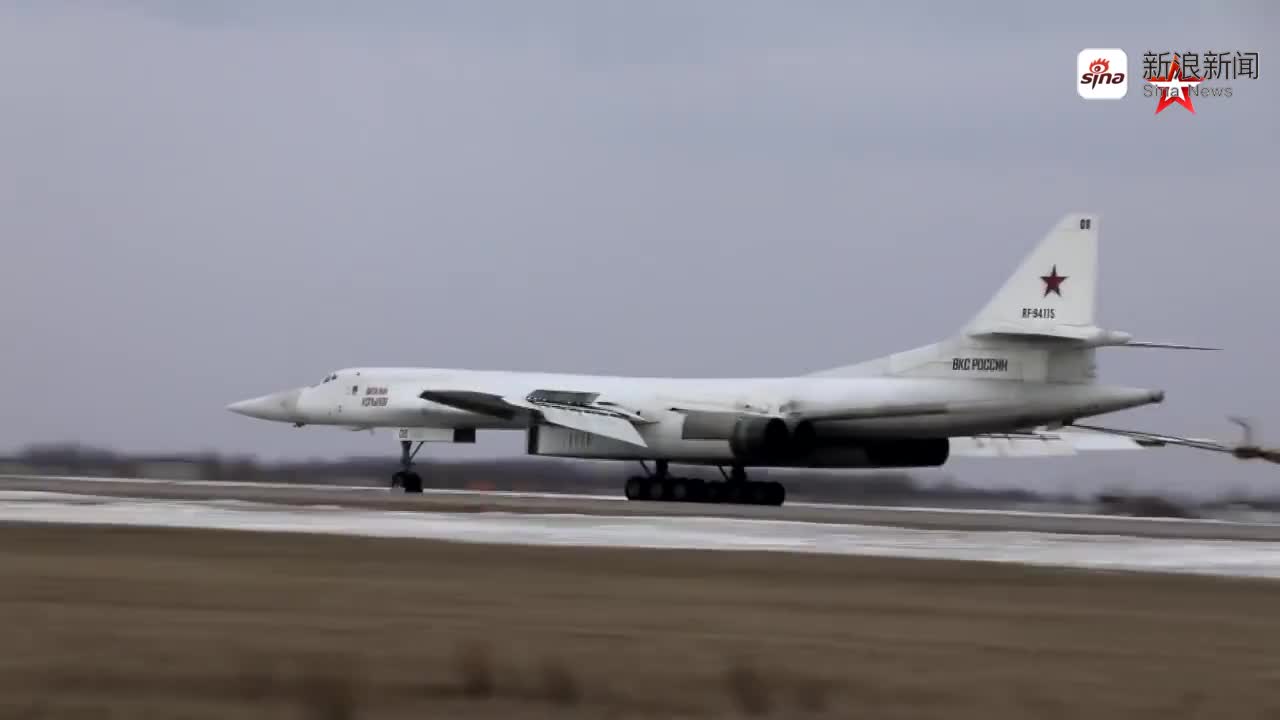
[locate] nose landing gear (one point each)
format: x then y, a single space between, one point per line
405 477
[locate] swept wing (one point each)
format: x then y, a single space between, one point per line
1246 450
1077 438
583 411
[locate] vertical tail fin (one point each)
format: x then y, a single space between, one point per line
1051 296
1025 331
1054 291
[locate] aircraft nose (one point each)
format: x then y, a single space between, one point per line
280 406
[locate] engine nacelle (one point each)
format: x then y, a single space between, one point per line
908 452
770 440
760 439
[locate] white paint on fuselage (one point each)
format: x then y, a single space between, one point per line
1026 359
353 397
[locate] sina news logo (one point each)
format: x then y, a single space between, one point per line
1102 73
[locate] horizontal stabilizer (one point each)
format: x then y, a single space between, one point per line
1168 346
1080 333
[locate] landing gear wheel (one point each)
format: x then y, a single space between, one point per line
661 486
697 490
735 493
757 493
635 488
657 490
407 478
776 494
714 492
679 490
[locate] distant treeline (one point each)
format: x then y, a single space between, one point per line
520 473
534 474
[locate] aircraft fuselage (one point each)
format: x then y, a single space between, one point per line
391 397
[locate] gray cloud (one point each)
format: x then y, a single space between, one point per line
203 201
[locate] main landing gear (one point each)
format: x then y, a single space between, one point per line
660 486
406 477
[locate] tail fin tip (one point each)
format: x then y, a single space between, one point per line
1055 284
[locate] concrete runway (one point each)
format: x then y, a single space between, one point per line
1197 547
381 498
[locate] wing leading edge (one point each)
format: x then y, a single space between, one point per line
585 412
1246 450
1039 443
1077 438
574 410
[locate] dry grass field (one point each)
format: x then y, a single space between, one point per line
140 623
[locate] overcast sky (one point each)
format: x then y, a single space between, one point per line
200 202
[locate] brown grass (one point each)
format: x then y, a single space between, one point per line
137 623
559 686
748 687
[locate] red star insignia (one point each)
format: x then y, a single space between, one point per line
1053 282
1177 83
